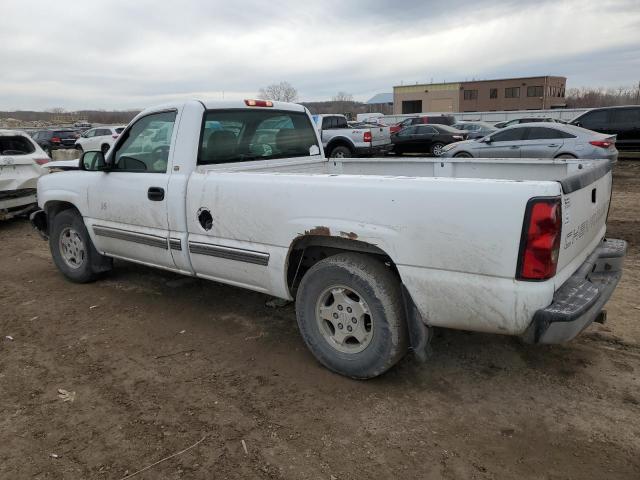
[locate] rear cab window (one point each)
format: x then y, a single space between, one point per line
242 135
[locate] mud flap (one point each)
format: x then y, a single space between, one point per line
40 223
419 333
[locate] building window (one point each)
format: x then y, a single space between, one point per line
513 92
471 94
493 93
412 106
535 91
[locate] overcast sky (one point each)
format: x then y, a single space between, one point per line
136 53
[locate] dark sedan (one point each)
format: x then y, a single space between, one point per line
425 139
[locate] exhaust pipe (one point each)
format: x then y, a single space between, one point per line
601 318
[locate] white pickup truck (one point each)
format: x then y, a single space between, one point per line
375 252
340 140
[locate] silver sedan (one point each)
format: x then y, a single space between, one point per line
537 140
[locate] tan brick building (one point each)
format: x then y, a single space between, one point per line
525 93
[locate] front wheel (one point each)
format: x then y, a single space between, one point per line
350 314
72 249
436 149
462 155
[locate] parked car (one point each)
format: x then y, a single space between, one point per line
475 129
424 119
515 121
50 140
342 141
21 160
425 139
624 122
99 138
375 252
538 140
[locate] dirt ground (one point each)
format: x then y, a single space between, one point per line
155 362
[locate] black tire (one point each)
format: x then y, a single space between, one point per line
436 149
90 262
79 148
48 152
567 156
380 290
105 148
341 152
462 155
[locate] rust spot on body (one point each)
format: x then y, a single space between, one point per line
320 230
349 235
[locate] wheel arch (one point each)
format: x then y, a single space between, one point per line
339 142
307 250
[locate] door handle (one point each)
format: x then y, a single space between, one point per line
553 145
155 194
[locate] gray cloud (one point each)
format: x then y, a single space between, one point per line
123 54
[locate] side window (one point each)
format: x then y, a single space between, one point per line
244 135
90 133
626 115
341 122
542 133
145 147
407 131
426 129
595 119
102 132
509 135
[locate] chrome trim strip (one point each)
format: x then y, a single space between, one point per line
128 236
175 244
230 253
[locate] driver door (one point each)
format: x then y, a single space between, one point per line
127 203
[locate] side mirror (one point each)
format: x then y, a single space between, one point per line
93 161
486 139
577 124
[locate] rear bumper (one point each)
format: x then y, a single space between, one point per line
17 202
365 151
579 301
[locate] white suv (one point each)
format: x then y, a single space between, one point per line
99 138
21 161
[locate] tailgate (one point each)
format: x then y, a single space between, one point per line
380 136
18 172
585 205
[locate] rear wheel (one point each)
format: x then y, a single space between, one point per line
341 152
462 155
350 313
72 249
566 155
104 148
436 149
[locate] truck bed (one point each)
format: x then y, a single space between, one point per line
495 168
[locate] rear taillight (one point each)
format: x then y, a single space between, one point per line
602 143
55 139
114 136
42 161
540 242
366 137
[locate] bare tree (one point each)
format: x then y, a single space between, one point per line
342 97
587 97
279 92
